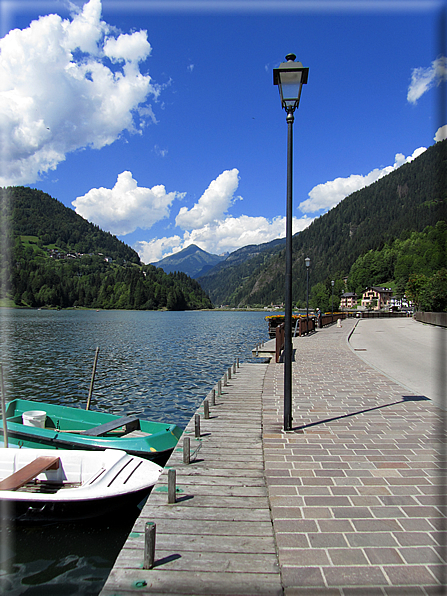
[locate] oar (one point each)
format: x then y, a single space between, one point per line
93 379
5 427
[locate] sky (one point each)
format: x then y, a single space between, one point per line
158 120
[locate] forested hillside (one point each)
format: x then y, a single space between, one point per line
407 200
50 256
223 279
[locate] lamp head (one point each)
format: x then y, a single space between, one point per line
290 78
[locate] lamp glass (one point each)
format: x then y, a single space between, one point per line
307 261
290 87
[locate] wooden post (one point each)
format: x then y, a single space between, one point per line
229 372
234 367
149 545
219 388
206 409
225 379
186 450
197 426
5 426
213 397
237 362
171 486
93 379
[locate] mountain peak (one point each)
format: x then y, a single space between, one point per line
192 260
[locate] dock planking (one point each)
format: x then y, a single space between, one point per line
217 538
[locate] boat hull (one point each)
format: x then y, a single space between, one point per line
30 512
71 485
65 428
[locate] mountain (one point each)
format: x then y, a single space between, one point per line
192 260
52 257
407 200
223 279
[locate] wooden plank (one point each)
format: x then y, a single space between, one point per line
191 500
203 561
29 471
213 527
130 422
181 583
205 514
208 543
218 491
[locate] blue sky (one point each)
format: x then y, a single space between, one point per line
159 120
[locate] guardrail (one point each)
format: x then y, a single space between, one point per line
279 335
376 314
432 318
304 325
329 318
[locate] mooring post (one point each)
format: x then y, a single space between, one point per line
225 379
197 426
206 409
213 397
149 545
186 450
171 486
237 362
229 372
219 387
234 367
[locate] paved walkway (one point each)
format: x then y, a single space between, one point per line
348 503
411 353
357 489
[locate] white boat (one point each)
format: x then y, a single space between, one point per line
47 485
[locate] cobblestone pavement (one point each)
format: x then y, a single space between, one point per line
357 489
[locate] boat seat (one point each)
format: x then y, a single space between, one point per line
130 422
30 471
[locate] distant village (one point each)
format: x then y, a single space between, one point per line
373 298
54 253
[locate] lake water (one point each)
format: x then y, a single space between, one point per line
159 365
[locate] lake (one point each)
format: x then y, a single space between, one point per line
159 365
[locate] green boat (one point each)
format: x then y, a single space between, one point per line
40 425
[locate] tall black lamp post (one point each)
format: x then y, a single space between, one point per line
290 77
307 261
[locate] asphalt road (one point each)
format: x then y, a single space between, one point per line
409 352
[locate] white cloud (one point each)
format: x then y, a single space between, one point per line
160 152
125 207
156 249
223 236
213 204
441 133
54 100
423 79
327 195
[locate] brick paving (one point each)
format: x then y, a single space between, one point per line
357 489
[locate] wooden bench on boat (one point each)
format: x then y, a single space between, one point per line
29 472
130 423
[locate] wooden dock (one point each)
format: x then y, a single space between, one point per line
217 538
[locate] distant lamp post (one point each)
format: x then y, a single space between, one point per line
307 261
332 297
290 77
